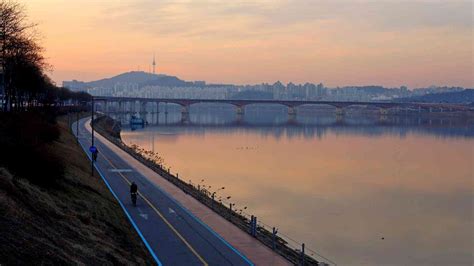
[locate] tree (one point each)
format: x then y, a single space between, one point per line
23 66
21 61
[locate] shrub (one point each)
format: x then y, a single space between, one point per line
26 141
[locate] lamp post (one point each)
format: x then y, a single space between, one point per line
92 139
77 126
92 121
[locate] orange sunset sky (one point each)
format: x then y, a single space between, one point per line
390 43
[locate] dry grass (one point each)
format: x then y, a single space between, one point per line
76 222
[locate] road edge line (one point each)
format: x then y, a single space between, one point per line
122 206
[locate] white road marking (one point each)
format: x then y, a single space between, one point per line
115 170
143 215
171 210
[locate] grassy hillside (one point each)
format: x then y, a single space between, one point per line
74 219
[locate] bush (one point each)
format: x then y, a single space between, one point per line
26 146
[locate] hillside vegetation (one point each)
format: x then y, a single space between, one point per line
51 210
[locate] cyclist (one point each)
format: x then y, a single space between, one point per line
133 193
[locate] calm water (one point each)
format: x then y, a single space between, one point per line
361 191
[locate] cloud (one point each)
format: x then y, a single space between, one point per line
243 18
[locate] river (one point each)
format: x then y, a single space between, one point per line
360 190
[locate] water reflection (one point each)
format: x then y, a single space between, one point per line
340 186
310 126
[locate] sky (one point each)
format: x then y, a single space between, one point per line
339 43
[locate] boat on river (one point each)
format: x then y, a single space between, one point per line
137 121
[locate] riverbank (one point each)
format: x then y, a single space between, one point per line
69 219
107 127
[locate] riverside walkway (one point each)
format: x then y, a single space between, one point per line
176 228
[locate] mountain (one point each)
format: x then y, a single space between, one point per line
138 77
164 80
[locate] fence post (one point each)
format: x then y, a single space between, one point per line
255 226
302 254
213 199
251 225
275 231
77 127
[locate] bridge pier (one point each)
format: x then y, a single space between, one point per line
239 118
185 109
120 111
340 111
383 118
292 114
143 109
383 111
240 110
292 110
157 113
185 118
132 107
185 113
106 107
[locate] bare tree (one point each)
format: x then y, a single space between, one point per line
21 59
23 66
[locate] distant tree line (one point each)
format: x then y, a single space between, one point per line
459 97
24 82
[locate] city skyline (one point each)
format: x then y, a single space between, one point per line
337 43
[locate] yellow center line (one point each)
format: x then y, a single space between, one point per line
161 215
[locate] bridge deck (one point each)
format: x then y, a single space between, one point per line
289 103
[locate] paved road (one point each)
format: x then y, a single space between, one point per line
173 235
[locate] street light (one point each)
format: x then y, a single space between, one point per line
92 121
92 126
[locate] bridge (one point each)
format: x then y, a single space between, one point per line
121 102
